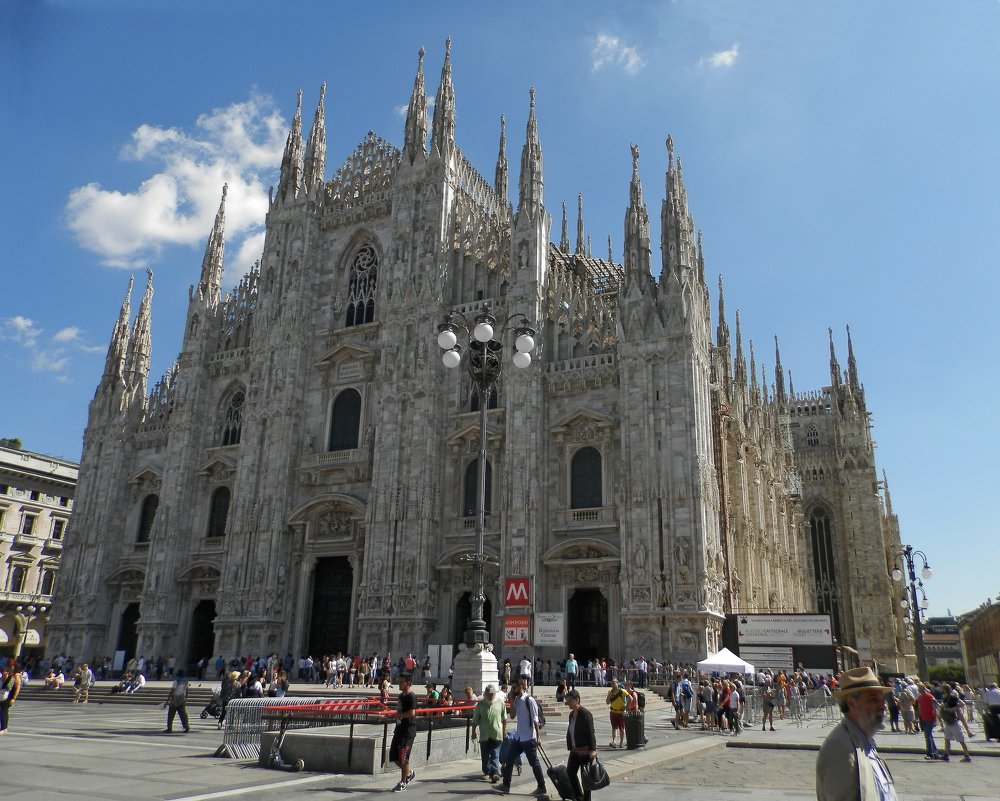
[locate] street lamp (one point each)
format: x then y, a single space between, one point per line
26 616
481 338
915 606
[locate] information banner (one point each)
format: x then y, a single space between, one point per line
784 630
517 630
550 628
776 657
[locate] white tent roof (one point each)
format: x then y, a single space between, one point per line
725 662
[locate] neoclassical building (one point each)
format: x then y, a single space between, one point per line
303 478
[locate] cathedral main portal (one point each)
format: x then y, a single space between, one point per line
330 628
202 639
587 628
128 631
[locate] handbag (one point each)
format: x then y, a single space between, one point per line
594 776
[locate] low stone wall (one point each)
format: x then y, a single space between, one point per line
325 750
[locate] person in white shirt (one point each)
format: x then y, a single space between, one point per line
524 671
526 739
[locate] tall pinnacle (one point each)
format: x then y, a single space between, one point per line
140 343
290 182
722 329
636 224
579 224
443 135
210 284
754 386
834 364
564 240
852 365
530 185
114 364
740 366
779 374
500 183
611 253
315 163
415 131
676 223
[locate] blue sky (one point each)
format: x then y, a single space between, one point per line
841 158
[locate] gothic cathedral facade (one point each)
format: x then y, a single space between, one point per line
303 478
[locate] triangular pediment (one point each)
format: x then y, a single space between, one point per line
217 466
470 433
146 476
343 352
581 418
581 550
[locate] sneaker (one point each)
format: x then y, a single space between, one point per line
540 792
495 778
400 786
944 758
503 789
411 777
612 745
966 759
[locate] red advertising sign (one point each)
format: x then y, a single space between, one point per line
517 630
517 592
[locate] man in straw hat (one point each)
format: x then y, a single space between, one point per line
848 767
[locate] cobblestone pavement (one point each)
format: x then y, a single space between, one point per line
760 768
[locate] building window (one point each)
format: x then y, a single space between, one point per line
17 579
345 423
361 288
149 506
63 500
33 495
58 526
821 539
218 512
28 525
474 404
812 438
585 479
3 489
3 514
232 426
48 582
470 506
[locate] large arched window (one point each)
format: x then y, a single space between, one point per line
361 288
345 422
17 579
218 513
821 539
48 582
470 506
146 517
232 425
474 403
585 479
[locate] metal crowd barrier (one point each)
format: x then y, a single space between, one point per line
245 723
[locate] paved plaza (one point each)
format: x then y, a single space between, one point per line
66 751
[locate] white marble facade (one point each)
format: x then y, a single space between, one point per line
296 481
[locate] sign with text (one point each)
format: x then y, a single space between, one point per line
550 628
517 630
784 630
517 591
776 657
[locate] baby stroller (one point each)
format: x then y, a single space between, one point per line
214 707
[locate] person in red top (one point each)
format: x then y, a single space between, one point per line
927 712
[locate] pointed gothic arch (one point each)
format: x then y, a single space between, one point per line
345 421
231 414
586 478
218 512
147 516
362 265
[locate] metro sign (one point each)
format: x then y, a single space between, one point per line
517 592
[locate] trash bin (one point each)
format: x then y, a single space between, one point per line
635 730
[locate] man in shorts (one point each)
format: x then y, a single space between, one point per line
952 713
405 732
617 700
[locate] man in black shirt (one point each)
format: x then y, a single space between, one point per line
404 733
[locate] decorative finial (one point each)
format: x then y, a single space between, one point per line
447 47
670 148
299 103
503 125
531 93
322 91
225 189
635 157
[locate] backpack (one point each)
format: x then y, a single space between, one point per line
539 712
641 700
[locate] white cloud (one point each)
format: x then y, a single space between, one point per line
610 50
240 145
45 356
401 110
723 59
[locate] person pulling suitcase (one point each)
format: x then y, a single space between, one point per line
527 740
581 742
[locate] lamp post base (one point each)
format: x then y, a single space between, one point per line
474 667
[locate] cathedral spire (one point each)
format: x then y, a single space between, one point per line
590 253
290 182
315 163
210 284
564 240
443 134
118 347
852 365
834 364
500 182
530 185
740 365
611 253
779 374
763 384
676 225
140 343
579 225
754 386
791 385
636 226
415 131
722 329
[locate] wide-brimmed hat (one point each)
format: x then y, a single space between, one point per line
857 679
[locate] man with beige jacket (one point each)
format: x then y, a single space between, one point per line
849 767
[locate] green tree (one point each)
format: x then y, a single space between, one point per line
953 671
11 442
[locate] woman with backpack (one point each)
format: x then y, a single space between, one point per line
176 703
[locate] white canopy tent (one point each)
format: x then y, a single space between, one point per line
725 662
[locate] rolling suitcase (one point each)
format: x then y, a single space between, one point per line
991 725
565 786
